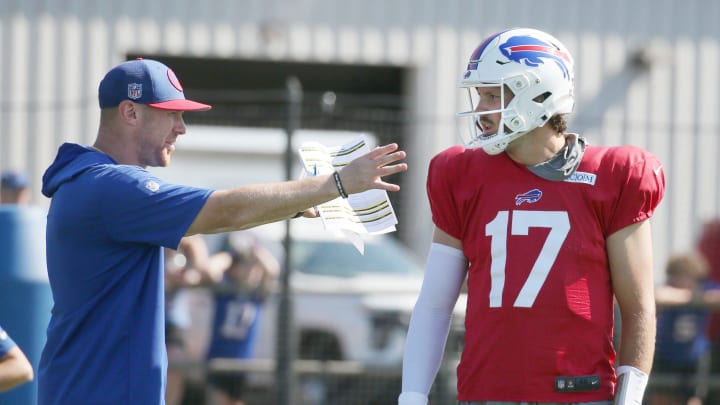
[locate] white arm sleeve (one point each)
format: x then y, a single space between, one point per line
445 272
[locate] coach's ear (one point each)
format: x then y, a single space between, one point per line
129 112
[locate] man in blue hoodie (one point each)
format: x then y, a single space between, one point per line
110 218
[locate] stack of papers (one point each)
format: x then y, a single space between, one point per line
369 212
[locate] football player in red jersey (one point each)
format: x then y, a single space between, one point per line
547 229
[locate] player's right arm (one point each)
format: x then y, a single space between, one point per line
445 272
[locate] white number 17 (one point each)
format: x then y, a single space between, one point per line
522 221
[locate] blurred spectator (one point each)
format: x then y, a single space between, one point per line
248 279
14 188
15 369
184 267
709 247
682 346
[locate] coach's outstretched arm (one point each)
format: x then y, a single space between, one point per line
248 206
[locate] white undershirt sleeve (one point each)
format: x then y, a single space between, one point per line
445 272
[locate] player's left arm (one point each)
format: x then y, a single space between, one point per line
631 267
641 183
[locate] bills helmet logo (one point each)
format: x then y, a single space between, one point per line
530 197
534 52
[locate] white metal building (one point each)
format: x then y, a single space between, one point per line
647 73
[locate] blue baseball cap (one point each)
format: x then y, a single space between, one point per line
145 81
14 180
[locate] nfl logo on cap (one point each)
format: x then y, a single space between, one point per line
134 91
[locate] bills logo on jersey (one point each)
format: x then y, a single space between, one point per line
530 197
134 91
534 52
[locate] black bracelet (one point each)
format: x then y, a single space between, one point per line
298 215
339 185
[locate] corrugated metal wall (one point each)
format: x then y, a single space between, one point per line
647 72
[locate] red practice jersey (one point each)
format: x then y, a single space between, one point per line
539 322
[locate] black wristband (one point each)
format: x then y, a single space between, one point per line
338 183
298 215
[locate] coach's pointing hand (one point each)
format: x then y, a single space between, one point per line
366 172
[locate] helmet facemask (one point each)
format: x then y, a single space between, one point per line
518 116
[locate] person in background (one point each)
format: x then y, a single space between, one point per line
682 345
547 229
708 245
188 266
110 219
14 188
15 368
239 296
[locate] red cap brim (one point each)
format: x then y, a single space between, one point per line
181 105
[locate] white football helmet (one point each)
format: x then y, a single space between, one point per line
535 67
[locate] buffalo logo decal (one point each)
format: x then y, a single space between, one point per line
534 52
529 197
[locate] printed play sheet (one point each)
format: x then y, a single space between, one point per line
369 212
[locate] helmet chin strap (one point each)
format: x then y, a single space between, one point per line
564 163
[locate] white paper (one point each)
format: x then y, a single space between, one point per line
369 212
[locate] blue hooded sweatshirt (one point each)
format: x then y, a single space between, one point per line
106 228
